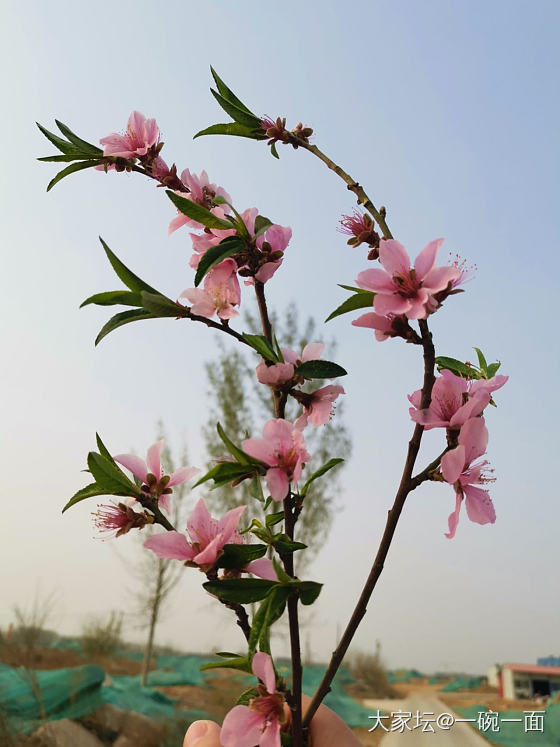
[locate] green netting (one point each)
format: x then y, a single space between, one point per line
402 675
151 703
25 696
171 670
462 683
512 734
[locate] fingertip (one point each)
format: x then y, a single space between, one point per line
202 734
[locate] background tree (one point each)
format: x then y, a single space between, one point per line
243 416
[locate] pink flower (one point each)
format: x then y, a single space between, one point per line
318 406
118 518
220 294
280 373
151 473
272 243
202 192
207 537
401 289
359 226
458 469
141 134
159 169
282 448
258 723
381 324
453 403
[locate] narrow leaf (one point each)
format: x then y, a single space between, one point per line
63 145
109 477
112 298
492 369
82 145
274 151
215 254
197 212
241 663
457 367
353 288
275 518
124 317
285 545
308 591
88 492
131 280
237 556
233 128
234 450
320 369
262 346
240 590
319 473
481 359
79 166
61 158
240 115
225 472
226 92
161 306
261 224
357 301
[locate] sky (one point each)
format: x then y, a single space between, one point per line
448 114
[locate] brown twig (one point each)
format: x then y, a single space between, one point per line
392 520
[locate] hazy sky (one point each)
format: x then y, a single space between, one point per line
448 114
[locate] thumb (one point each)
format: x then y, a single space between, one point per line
202 734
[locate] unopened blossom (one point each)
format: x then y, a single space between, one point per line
151 473
272 243
201 191
401 289
159 169
141 134
460 470
258 723
118 519
453 403
282 448
318 407
220 295
279 373
207 537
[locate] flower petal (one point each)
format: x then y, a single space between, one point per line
242 727
452 464
154 458
453 519
170 545
375 280
181 475
427 258
312 351
394 257
277 483
478 503
263 568
133 463
263 669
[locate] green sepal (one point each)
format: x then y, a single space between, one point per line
262 346
240 590
357 301
319 473
197 212
236 556
215 254
274 151
319 369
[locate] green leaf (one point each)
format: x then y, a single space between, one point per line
233 128
281 573
241 663
262 346
131 280
273 519
357 301
112 298
109 477
269 611
320 369
248 695
239 114
353 288
319 473
124 317
66 158
261 224
63 145
197 212
481 359
284 545
215 254
228 655
88 492
82 145
70 170
226 92
457 367
274 151
103 450
161 306
308 590
240 590
226 472
237 452
238 556
492 369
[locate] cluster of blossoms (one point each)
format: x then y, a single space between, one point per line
457 405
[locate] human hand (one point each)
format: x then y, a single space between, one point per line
326 730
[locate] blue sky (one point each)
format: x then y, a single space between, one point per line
448 114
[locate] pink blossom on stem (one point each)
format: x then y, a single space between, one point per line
202 192
159 169
453 403
401 289
318 406
282 448
118 518
259 722
381 324
458 469
151 473
220 294
207 537
279 373
141 134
